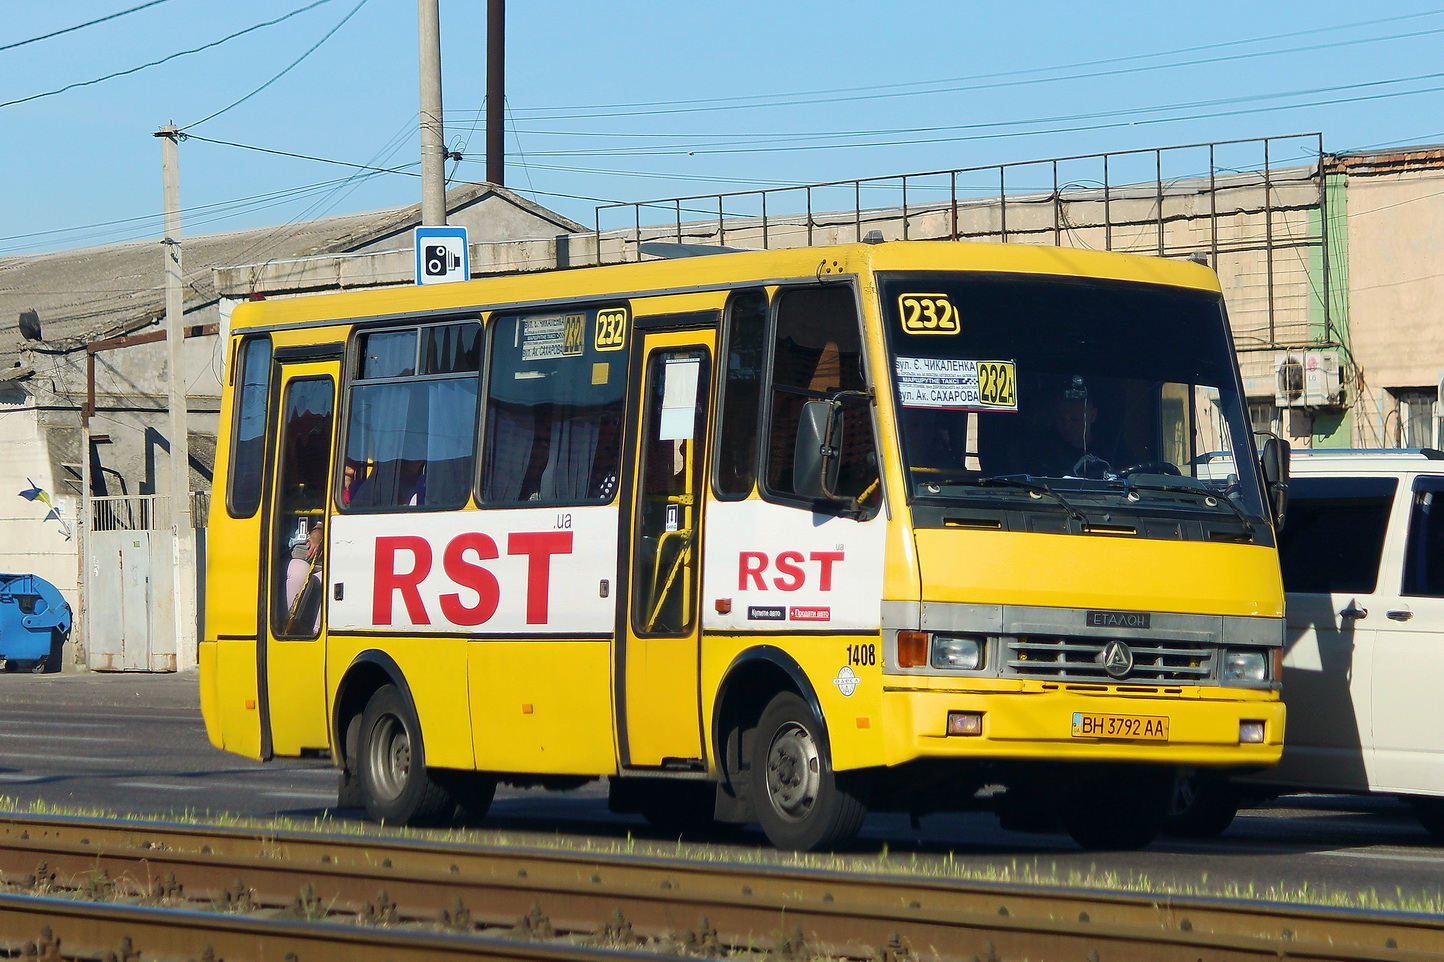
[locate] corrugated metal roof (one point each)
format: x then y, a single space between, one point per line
1392 160
97 292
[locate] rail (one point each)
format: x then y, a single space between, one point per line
163 891
1107 183
142 512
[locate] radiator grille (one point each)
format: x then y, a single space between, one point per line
1080 659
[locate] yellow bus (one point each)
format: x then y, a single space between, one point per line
774 537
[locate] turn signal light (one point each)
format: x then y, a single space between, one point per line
912 649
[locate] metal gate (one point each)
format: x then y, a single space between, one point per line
130 592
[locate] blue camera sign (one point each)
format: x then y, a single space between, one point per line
442 255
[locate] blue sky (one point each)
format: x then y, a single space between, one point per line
638 99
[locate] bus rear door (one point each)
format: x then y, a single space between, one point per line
660 716
293 652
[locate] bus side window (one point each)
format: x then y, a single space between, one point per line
248 450
741 388
817 354
411 423
553 424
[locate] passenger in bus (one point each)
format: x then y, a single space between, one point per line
352 478
303 585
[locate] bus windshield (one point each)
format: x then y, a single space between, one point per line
1067 392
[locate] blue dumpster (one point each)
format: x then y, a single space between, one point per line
34 620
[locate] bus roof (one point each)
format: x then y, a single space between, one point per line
719 272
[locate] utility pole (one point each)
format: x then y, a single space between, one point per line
433 143
183 554
496 92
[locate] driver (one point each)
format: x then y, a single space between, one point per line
1068 449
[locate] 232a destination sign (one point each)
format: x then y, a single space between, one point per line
957 384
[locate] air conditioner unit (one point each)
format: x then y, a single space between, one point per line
1323 379
1289 380
1309 379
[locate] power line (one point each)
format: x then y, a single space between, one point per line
335 192
962 84
80 26
147 226
285 153
316 46
156 63
780 142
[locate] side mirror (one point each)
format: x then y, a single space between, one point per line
1274 462
815 460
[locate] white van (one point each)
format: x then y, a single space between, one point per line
1362 550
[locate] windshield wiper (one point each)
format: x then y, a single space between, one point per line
1197 489
1026 483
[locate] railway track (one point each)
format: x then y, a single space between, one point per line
77 888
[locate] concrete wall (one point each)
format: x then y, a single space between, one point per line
30 544
1396 291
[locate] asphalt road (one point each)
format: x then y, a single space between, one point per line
135 744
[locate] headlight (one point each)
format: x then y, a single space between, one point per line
1245 667
961 652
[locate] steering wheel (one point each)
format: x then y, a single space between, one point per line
1091 466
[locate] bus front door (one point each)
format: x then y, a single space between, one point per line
660 722
293 654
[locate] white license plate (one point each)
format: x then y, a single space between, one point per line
1148 728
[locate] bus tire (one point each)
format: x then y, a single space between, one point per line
473 793
1204 806
1117 809
397 788
801 803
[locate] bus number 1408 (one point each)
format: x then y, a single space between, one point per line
862 654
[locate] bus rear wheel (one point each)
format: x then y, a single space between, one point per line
801 803
395 785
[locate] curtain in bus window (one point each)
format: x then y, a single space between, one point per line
388 354
511 437
412 443
451 430
568 472
452 349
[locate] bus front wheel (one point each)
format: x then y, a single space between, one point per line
395 784
1204 806
801 803
1120 808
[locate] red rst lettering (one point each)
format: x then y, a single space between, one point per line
787 564
751 564
387 579
538 546
469 575
826 559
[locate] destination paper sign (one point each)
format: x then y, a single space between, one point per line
956 384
